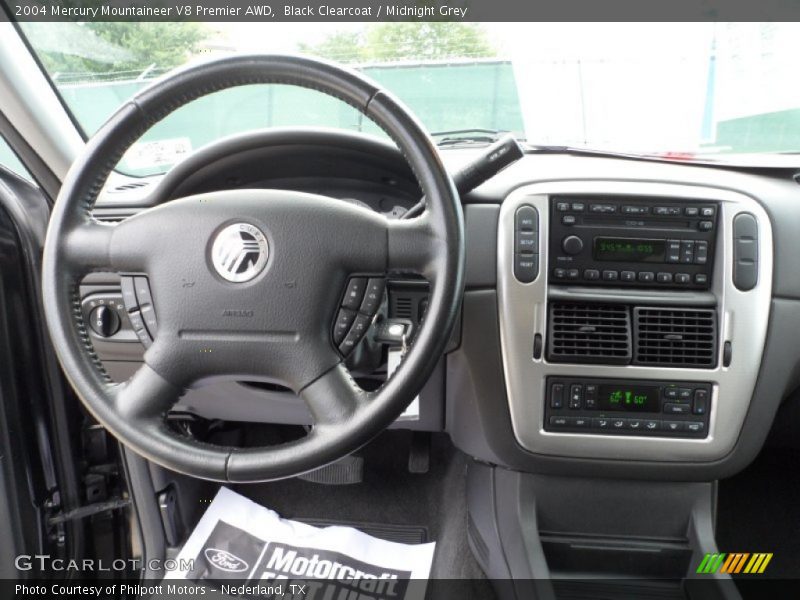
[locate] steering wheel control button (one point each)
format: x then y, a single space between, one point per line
149 317
104 321
137 322
142 288
128 289
344 320
239 252
349 343
354 293
373 295
361 325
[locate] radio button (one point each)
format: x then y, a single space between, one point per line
635 210
671 408
646 276
682 278
572 244
691 211
578 206
664 277
559 273
701 279
705 225
573 274
664 211
562 206
591 274
701 253
610 275
603 208
707 211
568 220
673 251
687 251
627 276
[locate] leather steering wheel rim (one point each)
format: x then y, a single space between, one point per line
170 242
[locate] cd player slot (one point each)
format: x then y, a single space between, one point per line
646 223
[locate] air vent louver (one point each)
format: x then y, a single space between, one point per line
589 333
673 337
127 187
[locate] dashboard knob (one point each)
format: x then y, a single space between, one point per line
572 244
104 321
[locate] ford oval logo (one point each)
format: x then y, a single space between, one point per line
225 560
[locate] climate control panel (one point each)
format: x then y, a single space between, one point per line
627 407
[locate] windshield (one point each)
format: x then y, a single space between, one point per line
661 88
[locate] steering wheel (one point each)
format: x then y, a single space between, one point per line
260 306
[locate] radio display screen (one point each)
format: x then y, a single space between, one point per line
639 398
629 249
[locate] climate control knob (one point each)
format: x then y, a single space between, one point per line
572 244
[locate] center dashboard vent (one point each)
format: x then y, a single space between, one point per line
675 337
617 334
589 333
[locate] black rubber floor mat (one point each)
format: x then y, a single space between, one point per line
404 534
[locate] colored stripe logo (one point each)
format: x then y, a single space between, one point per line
735 563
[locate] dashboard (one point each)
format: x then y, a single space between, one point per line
621 317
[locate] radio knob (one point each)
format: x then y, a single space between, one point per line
572 244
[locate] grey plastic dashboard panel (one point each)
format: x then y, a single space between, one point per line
744 317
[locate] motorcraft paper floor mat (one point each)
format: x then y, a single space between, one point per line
242 549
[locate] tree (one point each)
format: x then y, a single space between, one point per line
103 47
404 41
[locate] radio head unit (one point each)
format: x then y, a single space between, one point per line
641 242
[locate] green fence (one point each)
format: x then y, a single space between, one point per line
444 96
767 132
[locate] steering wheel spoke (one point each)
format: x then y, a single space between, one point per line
334 397
146 396
412 246
87 247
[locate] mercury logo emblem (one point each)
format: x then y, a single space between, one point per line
240 252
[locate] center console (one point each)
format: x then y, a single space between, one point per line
633 317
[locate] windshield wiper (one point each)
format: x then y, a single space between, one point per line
474 135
